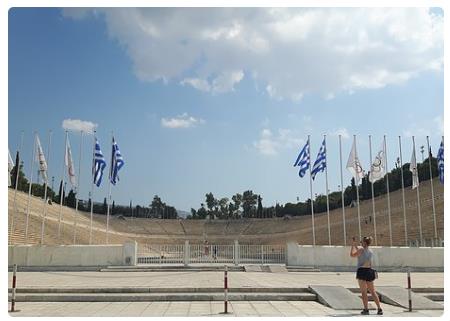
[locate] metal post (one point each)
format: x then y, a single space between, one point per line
310 188
387 188
409 291
44 214
403 190
226 290
13 294
30 187
342 192
432 188
326 187
373 196
418 194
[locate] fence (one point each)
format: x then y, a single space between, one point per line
211 253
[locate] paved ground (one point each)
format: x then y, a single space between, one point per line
207 279
215 279
166 309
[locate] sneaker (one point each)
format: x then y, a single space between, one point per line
365 312
380 312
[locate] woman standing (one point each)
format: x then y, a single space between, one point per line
365 274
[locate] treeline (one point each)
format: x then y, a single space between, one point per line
245 205
157 208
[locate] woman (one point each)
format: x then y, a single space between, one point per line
365 274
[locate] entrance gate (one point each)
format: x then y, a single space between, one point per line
211 253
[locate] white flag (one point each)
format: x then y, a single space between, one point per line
41 160
413 169
10 167
69 164
353 164
378 167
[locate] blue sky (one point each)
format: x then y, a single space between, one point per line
221 101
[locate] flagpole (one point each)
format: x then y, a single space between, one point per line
357 191
326 186
109 197
78 190
418 193
29 188
342 192
373 196
310 188
16 185
387 187
403 191
45 187
432 188
92 187
62 189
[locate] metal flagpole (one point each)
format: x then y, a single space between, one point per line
78 191
357 190
432 189
310 188
62 188
16 185
403 190
92 187
44 214
342 192
387 187
109 197
418 194
29 188
373 196
326 186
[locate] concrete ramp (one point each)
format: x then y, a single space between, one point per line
252 268
278 269
337 297
398 296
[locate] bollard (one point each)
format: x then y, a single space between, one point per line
225 289
13 294
409 292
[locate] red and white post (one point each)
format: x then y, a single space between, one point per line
13 294
409 292
225 289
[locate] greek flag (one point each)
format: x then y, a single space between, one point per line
98 164
321 162
440 159
303 160
116 163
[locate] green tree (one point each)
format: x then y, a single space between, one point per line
259 210
248 202
71 199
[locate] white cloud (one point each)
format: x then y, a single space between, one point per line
79 125
181 121
289 51
340 131
270 144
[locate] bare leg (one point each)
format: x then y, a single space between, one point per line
363 288
371 288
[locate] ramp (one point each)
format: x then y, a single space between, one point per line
337 297
252 268
277 269
398 296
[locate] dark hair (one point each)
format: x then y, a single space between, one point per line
367 240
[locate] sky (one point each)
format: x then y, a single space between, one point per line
221 100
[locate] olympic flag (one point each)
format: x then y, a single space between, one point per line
354 165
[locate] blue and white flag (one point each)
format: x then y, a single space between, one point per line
321 162
116 163
440 159
98 164
303 160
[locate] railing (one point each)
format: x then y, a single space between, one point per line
427 243
211 253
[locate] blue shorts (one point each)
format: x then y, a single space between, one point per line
366 274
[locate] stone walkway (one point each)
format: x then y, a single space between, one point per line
207 280
207 309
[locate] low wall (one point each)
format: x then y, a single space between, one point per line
72 255
337 258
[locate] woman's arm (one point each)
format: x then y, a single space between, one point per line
354 250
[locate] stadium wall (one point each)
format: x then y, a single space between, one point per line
337 258
73 255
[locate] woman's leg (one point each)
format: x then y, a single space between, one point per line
374 294
363 288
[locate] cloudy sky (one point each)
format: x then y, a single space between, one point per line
223 99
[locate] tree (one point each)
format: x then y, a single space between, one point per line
71 199
211 202
156 207
105 207
237 199
248 202
223 204
260 208
113 208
